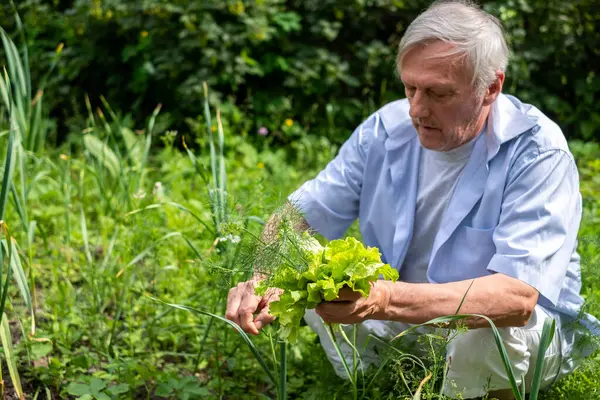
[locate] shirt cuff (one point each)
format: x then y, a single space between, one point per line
526 272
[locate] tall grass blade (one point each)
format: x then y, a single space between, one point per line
243 334
109 251
200 168
5 89
547 335
103 153
222 173
18 206
21 31
11 361
17 77
149 133
19 274
9 166
20 158
8 270
15 65
211 142
86 243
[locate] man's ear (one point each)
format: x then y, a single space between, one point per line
492 91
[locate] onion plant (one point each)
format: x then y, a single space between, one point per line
519 392
9 252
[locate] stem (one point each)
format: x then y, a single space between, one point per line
339 352
354 356
275 366
282 371
206 332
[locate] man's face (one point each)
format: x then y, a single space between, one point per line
445 108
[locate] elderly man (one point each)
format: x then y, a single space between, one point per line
459 186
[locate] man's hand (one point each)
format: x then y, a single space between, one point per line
243 303
351 307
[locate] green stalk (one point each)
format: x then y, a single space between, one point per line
354 357
275 362
9 166
547 335
339 352
282 371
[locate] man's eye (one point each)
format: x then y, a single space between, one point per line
439 95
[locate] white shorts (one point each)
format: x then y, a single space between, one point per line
475 366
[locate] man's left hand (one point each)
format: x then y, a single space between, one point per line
352 308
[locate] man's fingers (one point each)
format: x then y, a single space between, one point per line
263 318
233 304
242 303
347 294
332 311
246 314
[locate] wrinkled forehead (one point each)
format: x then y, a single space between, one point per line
435 61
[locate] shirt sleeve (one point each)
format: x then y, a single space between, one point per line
539 221
330 201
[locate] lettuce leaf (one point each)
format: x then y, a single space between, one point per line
343 262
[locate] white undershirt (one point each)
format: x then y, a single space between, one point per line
438 175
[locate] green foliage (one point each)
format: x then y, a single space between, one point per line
173 226
183 389
95 389
323 65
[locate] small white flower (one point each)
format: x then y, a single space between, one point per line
140 194
230 237
157 188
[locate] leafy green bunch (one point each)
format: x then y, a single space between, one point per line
341 263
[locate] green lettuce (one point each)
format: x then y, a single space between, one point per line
343 262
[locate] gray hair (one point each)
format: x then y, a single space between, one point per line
474 33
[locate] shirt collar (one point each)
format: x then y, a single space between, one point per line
505 122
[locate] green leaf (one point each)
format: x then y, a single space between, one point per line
78 389
97 384
9 353
545 341
102 396
9 167
118 389
39 350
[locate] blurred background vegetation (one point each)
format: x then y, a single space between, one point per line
295 67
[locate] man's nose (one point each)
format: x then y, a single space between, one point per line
418 106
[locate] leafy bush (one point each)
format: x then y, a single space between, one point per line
323 64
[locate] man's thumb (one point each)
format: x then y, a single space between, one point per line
263 318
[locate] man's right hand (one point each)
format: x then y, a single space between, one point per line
243 303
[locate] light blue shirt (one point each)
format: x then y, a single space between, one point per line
516 208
